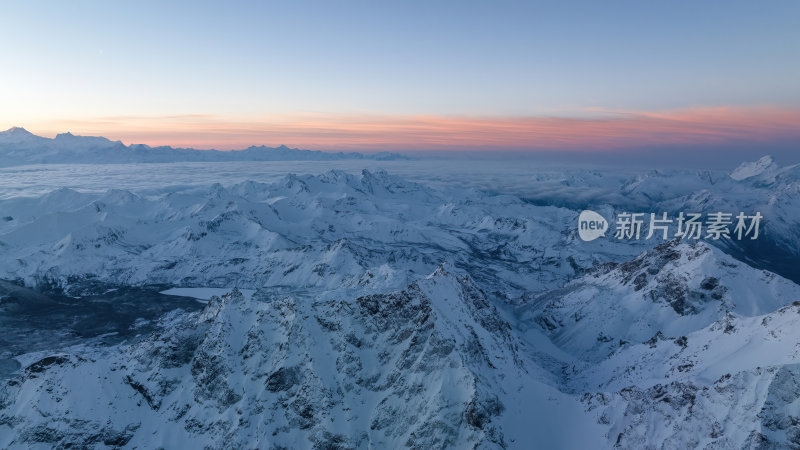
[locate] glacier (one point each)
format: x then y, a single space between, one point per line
362 309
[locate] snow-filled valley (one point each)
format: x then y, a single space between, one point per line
356 308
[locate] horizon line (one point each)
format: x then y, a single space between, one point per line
596 130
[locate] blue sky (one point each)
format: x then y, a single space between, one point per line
72 63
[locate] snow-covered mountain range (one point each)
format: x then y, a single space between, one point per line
380 312
18 146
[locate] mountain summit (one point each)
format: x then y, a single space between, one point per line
15 135
752 169
16 131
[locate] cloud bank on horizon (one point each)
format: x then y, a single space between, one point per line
599 130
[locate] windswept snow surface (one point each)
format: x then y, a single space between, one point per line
365 310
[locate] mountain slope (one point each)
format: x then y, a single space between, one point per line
432 365
733 384
669 291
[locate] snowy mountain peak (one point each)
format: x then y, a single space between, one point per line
16 135
751 169
18 131
446 269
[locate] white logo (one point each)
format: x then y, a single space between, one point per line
591 225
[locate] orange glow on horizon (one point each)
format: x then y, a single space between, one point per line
600 130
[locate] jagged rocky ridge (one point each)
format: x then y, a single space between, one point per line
432 365
331 230
358 336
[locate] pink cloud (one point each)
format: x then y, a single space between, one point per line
601 130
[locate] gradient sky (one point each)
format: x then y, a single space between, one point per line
406 75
